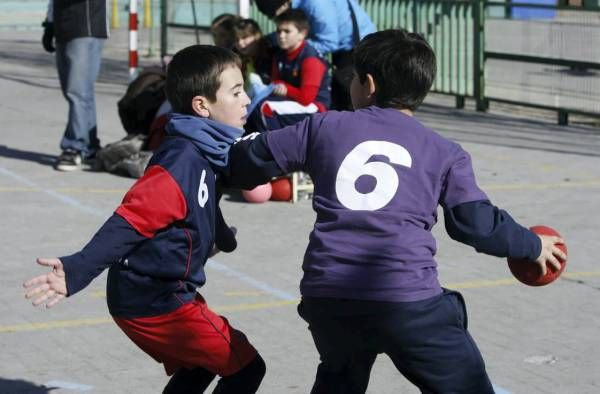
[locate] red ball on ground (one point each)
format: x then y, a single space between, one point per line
282 189
529 273
259 194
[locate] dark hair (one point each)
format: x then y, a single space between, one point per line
402 65
196 71
222 29
246 27
295 16
269 7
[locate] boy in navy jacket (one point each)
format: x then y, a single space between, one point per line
370 281
157 241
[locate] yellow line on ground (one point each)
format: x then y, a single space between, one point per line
481 283
540 186
475 284
104 320
55 324
243 293
71 190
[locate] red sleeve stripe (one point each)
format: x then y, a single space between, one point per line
154 202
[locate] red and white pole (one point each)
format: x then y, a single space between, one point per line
133 39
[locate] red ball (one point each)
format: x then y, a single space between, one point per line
528 272
259 194
282 189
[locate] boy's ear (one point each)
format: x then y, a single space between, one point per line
200 106
370 86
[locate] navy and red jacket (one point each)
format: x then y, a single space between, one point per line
157 241
305 74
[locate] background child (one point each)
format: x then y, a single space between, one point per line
158 240
370 281
222 30
256 52
299 73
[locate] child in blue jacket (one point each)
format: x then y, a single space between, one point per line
157 242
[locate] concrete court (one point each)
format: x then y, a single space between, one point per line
534 340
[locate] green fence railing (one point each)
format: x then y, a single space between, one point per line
463 33
446 24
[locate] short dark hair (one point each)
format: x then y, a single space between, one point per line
246 27
195 71
222 29
402 64
295 16
269 7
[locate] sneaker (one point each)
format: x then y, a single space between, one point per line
69 160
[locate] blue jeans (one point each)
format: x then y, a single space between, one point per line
78 65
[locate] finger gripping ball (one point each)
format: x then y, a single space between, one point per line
282 189
528 272
259 194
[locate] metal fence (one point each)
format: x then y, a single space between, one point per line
528 53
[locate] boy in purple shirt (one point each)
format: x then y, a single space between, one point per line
370 281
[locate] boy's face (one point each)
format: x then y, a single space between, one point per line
247 45
230 106
289 37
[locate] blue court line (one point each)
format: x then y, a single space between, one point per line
282 295
212 264
500 390
61 197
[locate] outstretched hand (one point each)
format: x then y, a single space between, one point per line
49 288
550 253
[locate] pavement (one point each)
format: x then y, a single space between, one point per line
534 340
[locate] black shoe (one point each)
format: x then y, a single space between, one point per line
69 160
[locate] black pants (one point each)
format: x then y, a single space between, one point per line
340 82
427 341
195 381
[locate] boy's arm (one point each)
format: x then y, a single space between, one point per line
153 202
471 218
257 158
491 230
115 239
312 71
72 273
251 163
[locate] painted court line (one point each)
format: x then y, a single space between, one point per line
49 325
60 384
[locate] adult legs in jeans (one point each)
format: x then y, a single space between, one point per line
78 65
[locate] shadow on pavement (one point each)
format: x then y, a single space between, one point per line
36 157
22 387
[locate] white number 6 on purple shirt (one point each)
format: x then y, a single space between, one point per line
356 164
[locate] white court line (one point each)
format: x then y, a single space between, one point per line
60 384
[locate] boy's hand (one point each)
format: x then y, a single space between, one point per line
50 288
280 90
550 253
